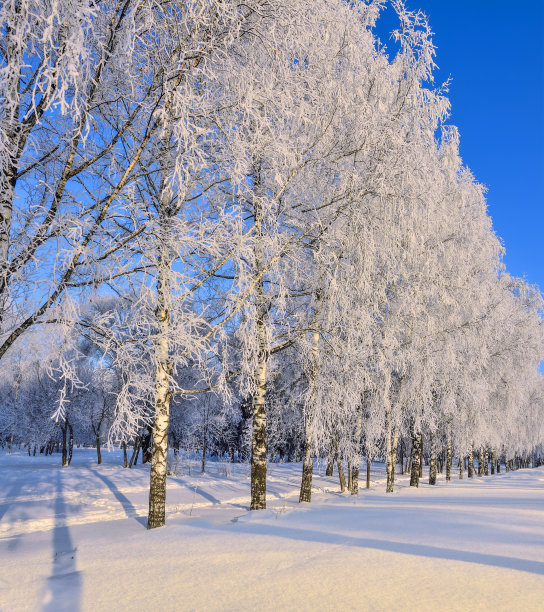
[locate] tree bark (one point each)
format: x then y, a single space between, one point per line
124 446
417 443
98 451
308 461
433 460
70 443
204 444
307 471
64 446
259 442
163 371
471 461
448 457
492 462
357 457
341 475
355 479
135 451
391 451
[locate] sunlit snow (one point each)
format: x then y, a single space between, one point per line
75 539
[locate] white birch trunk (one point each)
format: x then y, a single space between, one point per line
163 372
308 462
258 443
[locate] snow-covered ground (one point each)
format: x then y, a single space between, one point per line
75 539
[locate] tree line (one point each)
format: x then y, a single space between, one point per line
246 227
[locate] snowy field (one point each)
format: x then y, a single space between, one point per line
75 539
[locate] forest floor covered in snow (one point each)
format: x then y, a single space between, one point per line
75 539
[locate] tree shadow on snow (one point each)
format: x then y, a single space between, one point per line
206 495
420 550
64 585
128 506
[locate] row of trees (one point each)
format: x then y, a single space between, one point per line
254 212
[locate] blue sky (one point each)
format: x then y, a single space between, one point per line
494 52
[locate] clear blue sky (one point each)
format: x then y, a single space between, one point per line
494 52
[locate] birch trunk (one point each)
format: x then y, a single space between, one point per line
64 443
357 457
308 463
368 462
448 456
135 450
461 468
417 443
433 460
492 462
258 442
98 451
471 461
389 465
163 371
355 479
341 475
70 443
8 173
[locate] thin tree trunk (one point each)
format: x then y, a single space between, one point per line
163 370
448 456
135 450
157 484
417 443
341 475
70 443
493 462
357 457
481 462
355 478
64 447
368 463
308 461
391 451
124 446
330 467
98 451
471 461
307 470
461 468
433 459
204 444
259 443
486 461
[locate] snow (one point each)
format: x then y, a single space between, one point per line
75 539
